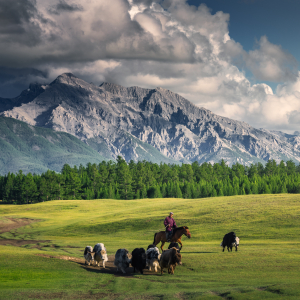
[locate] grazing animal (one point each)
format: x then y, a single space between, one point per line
177 233
175 245
170 259
230 240
153 258
138 260
100 254
122 259
88 255
236 244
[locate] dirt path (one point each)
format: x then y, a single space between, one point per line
18 243
9 224
109 266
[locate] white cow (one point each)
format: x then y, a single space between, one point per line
100 254
153 258
236 244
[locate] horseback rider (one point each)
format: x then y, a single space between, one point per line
169 223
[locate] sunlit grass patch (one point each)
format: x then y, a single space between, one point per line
266 265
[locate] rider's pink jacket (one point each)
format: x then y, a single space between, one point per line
171 221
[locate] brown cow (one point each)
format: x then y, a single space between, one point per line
170 259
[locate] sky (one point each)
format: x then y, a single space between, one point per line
237 58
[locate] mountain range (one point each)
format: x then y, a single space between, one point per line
145 124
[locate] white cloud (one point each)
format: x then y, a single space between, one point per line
269 62
170 44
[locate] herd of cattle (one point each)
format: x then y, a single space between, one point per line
151 258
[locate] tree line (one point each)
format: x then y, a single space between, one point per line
122 180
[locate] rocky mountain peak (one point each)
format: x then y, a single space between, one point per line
127 120
127 92
113 88
66 78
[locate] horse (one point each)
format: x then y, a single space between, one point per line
176 237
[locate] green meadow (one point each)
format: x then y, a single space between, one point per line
266 265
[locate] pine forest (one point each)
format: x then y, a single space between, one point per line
122 180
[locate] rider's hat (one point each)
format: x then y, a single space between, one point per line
171 213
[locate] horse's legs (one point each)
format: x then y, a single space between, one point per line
179 241
162 245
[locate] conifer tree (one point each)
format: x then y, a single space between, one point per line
124 179
17 192
214 193
8 188
164 190
111 192
138 195
290 167
178 193
220 193
187 191
29 189
283 189
143 192
72 184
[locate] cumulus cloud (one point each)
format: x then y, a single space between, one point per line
12 81
63 6
166 43
17 25
271 63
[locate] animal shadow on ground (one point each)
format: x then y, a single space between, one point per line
202 252
111 269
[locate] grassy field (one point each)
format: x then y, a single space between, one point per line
266 266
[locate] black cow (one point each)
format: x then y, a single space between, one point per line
138 260
230 240
151 246
175 245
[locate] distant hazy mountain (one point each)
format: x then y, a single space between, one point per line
115 120
33 149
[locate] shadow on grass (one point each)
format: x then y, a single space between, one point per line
113 271
200 252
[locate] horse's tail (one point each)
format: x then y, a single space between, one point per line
154 238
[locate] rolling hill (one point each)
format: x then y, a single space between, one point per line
34 149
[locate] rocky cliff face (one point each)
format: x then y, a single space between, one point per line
128 121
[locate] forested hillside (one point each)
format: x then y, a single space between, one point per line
119 180
35 149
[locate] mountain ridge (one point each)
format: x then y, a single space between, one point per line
115 116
